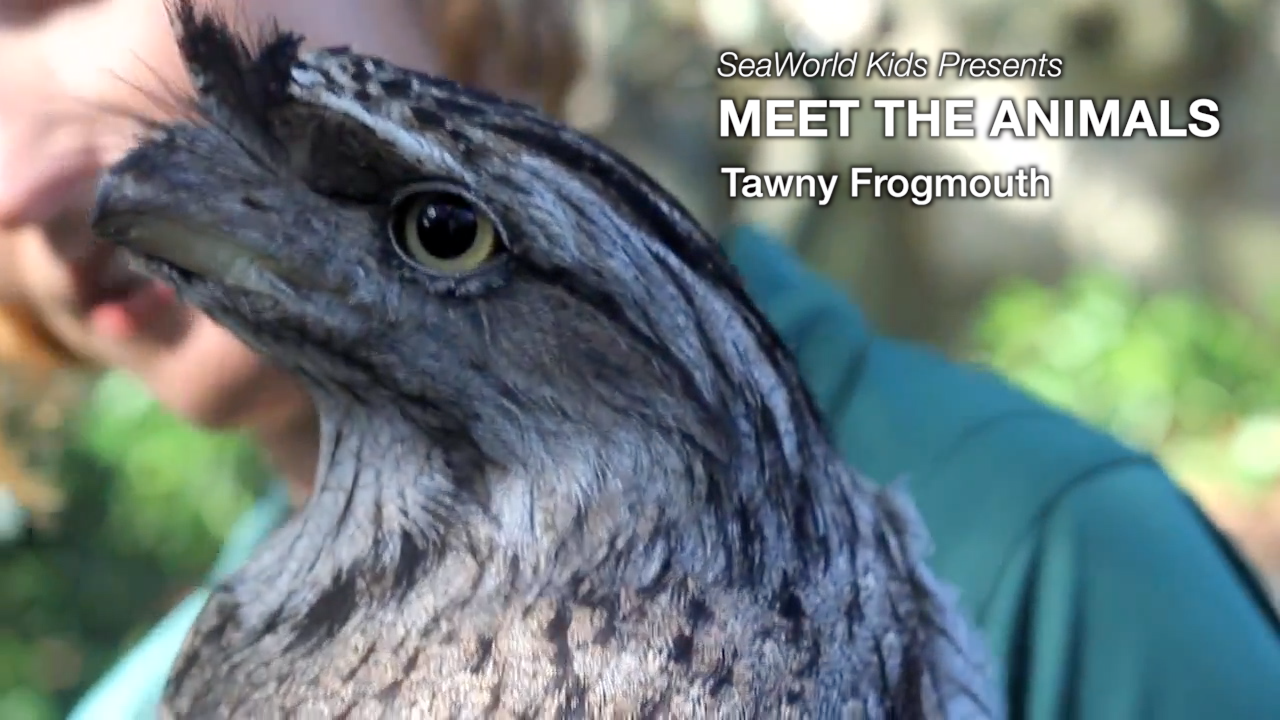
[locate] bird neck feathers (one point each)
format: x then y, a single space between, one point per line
391 513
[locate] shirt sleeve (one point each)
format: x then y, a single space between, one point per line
132 688
1125 603
1102 589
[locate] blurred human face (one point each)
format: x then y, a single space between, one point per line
67 70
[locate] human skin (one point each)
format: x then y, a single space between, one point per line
74 73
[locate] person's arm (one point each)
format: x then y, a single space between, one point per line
1125 603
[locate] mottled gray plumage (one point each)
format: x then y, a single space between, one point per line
578 479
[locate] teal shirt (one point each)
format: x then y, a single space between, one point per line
1102 590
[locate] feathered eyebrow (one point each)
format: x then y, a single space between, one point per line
342 159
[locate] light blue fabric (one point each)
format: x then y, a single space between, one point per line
131 690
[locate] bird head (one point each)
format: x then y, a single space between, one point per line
405 242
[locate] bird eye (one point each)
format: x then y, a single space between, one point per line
442 231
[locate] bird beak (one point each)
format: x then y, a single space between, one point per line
211 257
132 213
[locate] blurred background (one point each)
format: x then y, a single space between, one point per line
1143 297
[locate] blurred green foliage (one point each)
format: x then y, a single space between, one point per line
150 498
1196 383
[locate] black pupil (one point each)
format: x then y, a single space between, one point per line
446 226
